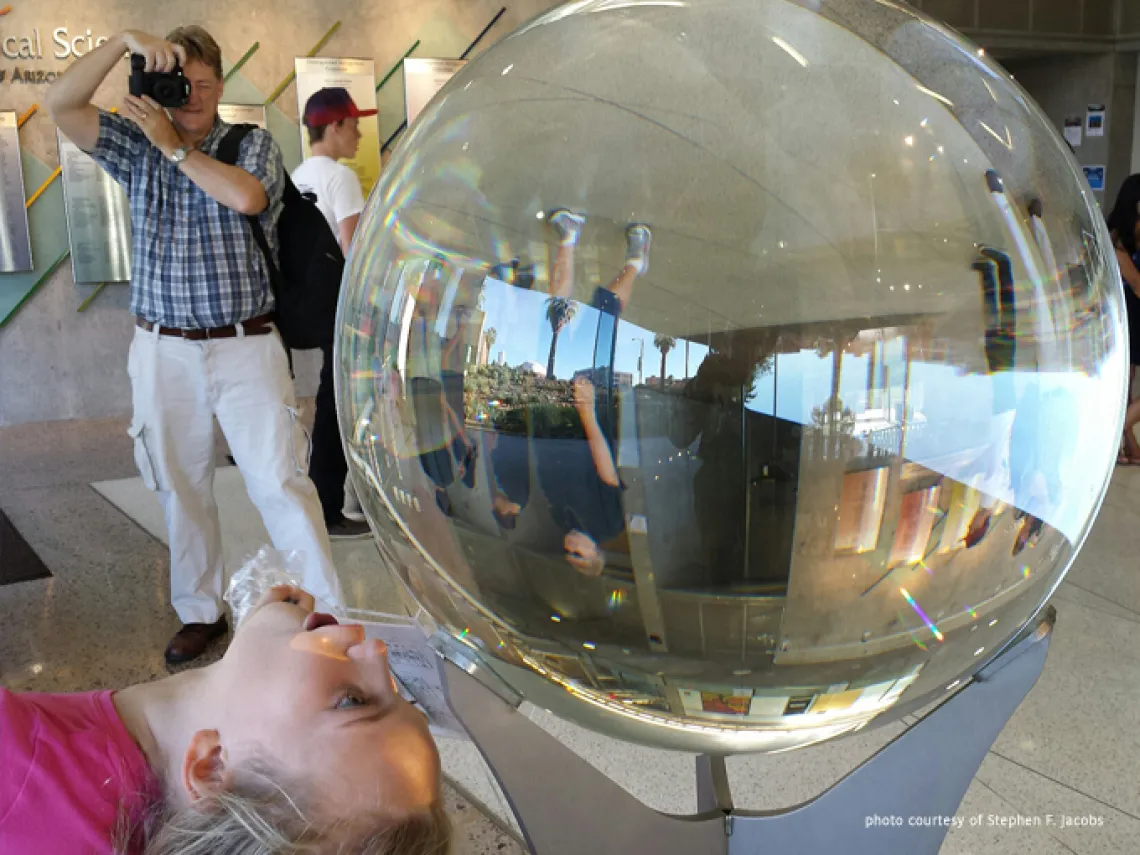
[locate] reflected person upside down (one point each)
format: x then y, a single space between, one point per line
578 475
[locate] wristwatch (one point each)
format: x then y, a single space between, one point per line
179 154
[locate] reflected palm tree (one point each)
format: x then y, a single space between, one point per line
560 311
833 415
836 423
490 336
664 343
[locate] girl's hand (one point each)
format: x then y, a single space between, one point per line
288 594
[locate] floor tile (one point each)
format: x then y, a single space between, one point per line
1075 593
664 780
1078 724
103 620
465 767
1107 563
70 452
473 833
779 781
368 585
1018 810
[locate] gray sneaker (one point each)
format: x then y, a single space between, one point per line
637 240
567 224
352 509
346 529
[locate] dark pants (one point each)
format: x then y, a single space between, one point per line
327 466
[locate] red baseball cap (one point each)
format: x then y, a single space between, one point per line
326 106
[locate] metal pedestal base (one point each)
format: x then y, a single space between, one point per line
564 805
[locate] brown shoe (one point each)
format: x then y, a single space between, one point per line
191 641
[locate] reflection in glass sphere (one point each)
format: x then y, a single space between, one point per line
705 373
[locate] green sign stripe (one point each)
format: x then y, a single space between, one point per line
244 59
396 67
43 187
463 56
39 282
293 74
91 297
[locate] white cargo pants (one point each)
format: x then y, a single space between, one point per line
178 387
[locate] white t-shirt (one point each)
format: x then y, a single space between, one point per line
335 185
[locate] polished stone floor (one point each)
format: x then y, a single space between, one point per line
1069 750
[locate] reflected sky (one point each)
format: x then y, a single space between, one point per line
507 308
951 412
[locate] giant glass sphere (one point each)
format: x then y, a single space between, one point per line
729 375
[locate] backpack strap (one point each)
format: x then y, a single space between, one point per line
229 150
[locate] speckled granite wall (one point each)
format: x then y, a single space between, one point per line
1037 17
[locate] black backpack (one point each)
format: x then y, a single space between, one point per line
306 283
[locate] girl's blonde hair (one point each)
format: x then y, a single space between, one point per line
260 817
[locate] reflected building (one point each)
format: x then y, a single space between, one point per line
802 531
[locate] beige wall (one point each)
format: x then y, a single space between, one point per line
1066 85
1136 127
380 30
58 364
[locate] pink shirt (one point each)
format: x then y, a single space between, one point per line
67 763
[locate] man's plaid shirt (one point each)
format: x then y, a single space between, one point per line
194 262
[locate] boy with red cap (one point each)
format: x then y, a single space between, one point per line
332 119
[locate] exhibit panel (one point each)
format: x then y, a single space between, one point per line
15 241
243 114
98 218
423 78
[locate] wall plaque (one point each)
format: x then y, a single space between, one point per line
98 218
243 114
423 78
15 242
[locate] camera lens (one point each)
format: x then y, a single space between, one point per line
171 91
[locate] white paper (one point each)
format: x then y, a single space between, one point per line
423 78
415 666
1073 133
1094 120
243 114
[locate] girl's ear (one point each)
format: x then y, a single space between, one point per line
204 769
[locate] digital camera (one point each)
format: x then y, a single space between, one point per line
169 89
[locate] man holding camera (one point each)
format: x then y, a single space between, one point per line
205 345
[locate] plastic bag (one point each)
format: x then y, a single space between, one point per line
267 568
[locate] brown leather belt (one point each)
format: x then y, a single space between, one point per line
261 325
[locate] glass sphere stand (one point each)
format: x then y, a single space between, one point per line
565 805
